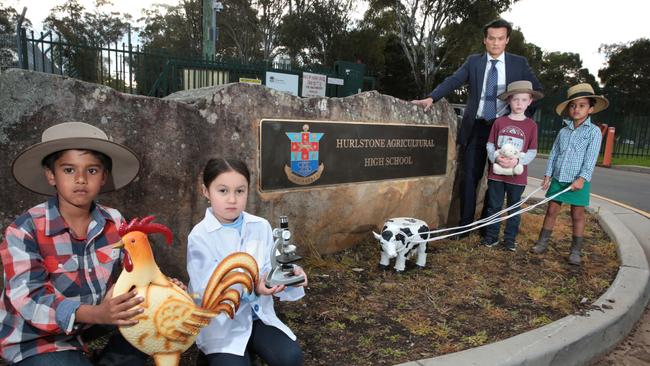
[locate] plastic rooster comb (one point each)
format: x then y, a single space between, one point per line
171 321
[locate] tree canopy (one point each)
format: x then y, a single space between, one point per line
627 74
408 45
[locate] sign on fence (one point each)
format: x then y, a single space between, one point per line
282 82
313 85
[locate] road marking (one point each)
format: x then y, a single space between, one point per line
640 212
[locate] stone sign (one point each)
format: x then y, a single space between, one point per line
302 153
175 136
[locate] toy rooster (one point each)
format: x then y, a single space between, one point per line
171 321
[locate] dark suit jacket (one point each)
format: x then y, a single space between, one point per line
472 72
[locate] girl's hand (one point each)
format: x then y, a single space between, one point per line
261 288
178 283
546 183
578 184
297 270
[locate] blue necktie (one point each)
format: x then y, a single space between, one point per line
490 103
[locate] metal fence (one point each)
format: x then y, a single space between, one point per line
132 69
632 138
8 53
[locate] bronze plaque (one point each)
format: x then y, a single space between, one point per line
296 154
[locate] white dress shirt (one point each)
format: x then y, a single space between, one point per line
501 85
210 242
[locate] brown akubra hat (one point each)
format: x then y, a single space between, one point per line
28 171
583 90
521 86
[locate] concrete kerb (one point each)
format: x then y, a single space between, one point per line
574 339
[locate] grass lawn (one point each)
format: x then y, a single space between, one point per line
629 160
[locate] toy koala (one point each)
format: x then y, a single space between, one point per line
508 151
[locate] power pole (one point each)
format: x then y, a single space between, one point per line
210 29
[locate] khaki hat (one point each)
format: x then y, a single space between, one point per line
583 90
28 170
521 86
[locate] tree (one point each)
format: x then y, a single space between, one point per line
8 18
240 31
421 24
627 74
270 14
173 29
313 33
84 32
560 70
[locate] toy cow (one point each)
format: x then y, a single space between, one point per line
399 238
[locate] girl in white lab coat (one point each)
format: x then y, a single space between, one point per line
227 228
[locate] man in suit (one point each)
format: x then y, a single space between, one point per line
487 74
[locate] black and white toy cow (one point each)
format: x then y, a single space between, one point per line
399 238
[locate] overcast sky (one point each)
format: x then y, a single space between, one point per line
579 26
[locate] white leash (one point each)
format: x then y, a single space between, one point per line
486 219
491 219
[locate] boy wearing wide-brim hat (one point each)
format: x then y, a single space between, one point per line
571 164
508 176
58 257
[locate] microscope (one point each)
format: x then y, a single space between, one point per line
282 257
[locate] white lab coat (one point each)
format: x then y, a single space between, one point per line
208 243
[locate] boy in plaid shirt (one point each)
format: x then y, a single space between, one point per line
58 257
571 164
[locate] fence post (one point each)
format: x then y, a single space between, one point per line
609 147
21 41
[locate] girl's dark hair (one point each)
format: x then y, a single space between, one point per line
216 166
49 161
497 23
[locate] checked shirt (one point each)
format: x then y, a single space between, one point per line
574 152
48 273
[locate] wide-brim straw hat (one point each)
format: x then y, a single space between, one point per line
521 86
27 168
583 90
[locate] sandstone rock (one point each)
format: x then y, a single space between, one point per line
174 137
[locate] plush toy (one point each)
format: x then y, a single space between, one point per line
508 151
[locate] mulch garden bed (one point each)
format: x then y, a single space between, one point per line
468 295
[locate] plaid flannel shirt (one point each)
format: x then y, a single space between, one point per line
574 152
48 273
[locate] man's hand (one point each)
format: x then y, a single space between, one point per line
578 184
426 103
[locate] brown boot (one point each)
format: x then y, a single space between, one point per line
542 242
576 249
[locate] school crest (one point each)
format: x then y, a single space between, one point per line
304 157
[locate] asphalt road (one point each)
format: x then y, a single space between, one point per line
630 188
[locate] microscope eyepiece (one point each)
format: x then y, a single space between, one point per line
284 222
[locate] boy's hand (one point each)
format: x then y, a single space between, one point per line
546 183
426 103
508 162
119 310
578 184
